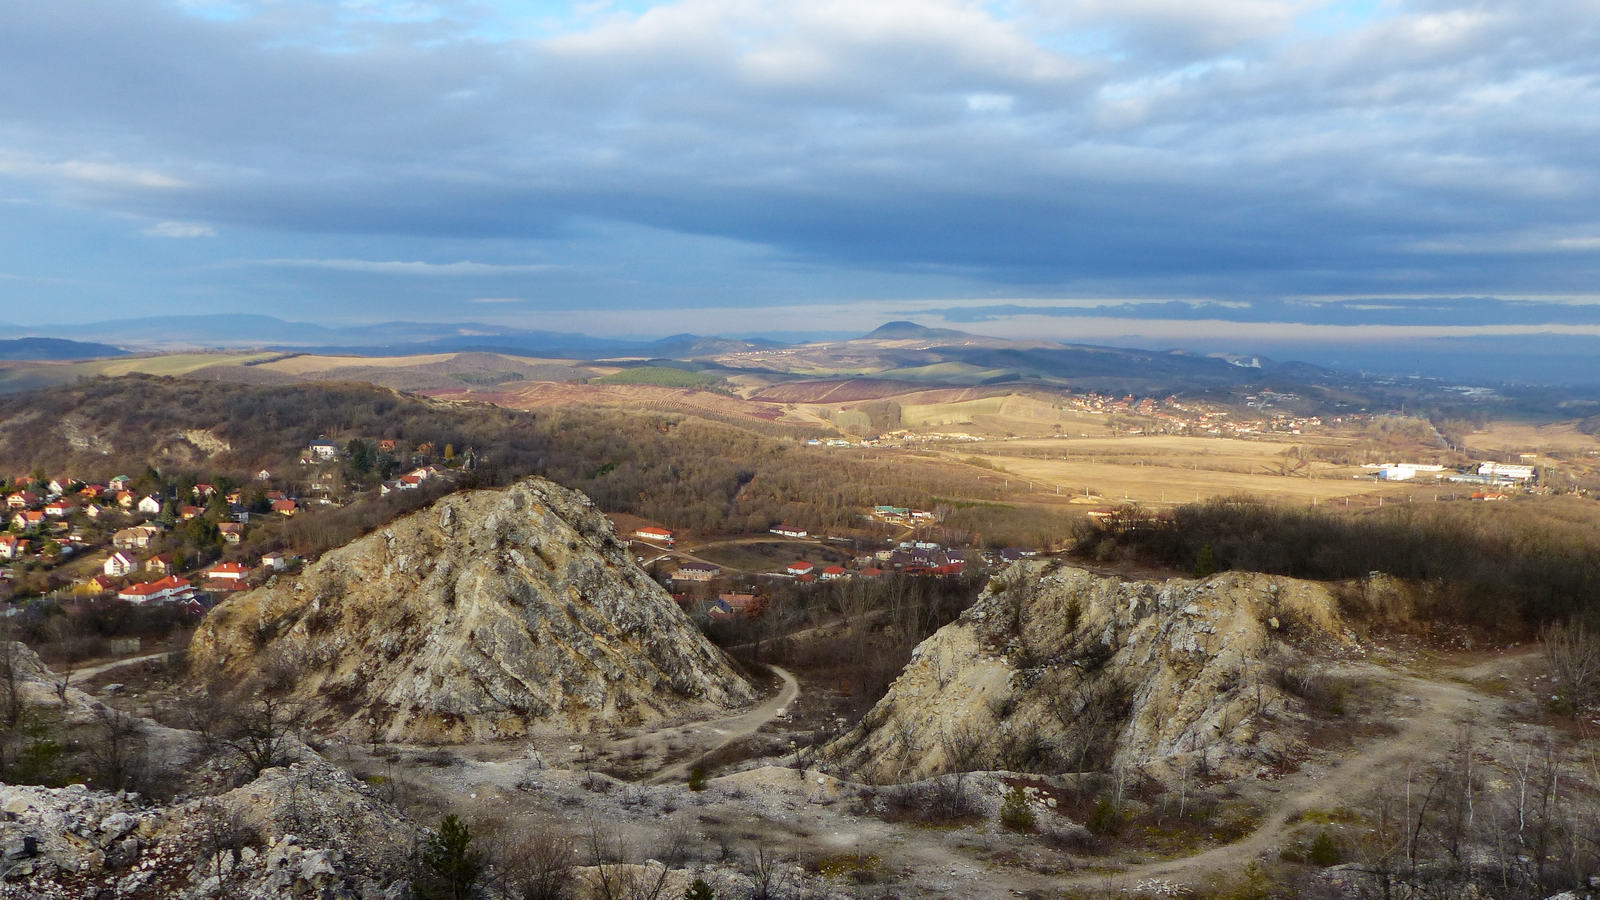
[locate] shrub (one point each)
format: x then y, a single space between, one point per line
1325 851
699 890
697 777
1106 818
1016 813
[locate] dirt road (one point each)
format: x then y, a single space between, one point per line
87 673
726 731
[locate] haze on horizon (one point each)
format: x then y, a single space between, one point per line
1236 170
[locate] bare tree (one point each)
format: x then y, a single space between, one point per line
1573 654
118 750
534 863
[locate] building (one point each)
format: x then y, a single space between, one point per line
170 589
833 573
1505 470
1397 473
227 576
12 547
150 505
275 561
232 532
800 567
695 571
285 507
59 509
791 531
28 518
323 450
658 535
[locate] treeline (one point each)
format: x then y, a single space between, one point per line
1501 567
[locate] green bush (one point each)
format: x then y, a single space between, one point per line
1106 818
697 777
1016 813
1325 851
699 890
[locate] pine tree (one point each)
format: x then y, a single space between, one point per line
450 867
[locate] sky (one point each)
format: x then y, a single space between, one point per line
1167 170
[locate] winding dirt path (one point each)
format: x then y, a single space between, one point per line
89 672
727 731
1425 731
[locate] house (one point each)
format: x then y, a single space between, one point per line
729 605
275 561
834 573
187 512
386 445
59 509
232 532
203 491
263 475
59 486
93 511
227 577
1489 495
791 531
119 483
91 491
99 584
22 500
150 505
28 518
277 495
125 499
285 507
323 450
12 547
120 564
694 571
800 567
652 533
408 482
161 564
136 538
170 589
1503 470
871 572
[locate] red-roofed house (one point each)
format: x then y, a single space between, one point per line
12 546
161 564
189 512
91 491
232 532
832 573
800 567
170 589
652 533
22 500
286 507
28 518
227 576
59 509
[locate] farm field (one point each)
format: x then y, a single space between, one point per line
1526 437
1166 469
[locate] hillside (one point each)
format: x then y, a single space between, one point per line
55 348
487 615
1058 669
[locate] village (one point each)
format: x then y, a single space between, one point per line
182 543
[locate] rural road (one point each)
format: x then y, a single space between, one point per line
737 728
92 671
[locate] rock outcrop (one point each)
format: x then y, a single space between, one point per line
1059 669
308 830
490 614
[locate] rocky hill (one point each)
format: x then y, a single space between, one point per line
1059 669
489 614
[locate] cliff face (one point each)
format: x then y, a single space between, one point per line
486 615
1058 669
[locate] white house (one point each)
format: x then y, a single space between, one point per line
323 450
120 564
149 505
1504 470
791 531
800 567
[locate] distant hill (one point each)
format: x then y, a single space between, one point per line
36 349
902 330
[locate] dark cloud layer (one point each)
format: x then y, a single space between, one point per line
1242 150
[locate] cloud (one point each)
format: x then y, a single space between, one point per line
1238 149
398 267
180 230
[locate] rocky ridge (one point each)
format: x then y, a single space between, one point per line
489 614
1059 669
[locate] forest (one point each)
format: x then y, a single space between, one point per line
1501 567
